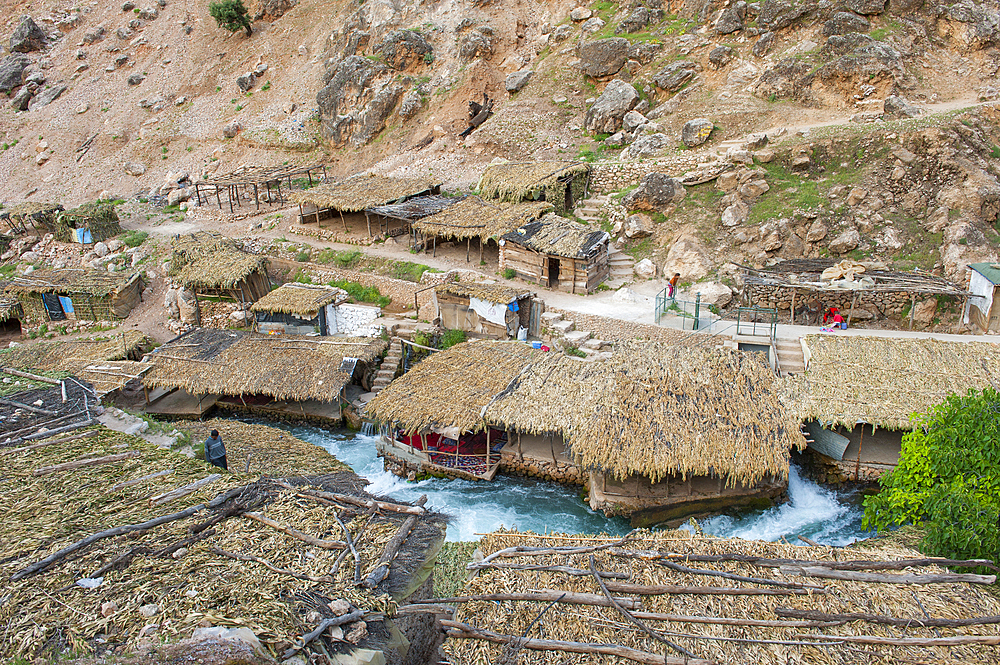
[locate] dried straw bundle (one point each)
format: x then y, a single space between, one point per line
364 191
9 309
48 612
229 362
206 260
519 180
299 299
557 235
495 293
100 218
883 381
450 388
472 217
737 643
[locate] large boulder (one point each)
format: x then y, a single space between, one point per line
187 306
48 95
674 75
645 269
731 19
714 293
897 107
925 311
27 37
353 104
411 105
603 57
638 226
647 146
11 69
477 44
639 19
779 14
405 49
845 242
866 7
688 257
655 191
695 132
979 23
721 55
22 99
843 23
515 81
607 112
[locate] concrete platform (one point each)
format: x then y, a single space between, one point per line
181 404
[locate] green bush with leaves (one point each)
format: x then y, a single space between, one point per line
450 338
947 479
231 15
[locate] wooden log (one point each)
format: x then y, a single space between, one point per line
358 501
59 430
271 567
184 490
862 564
576 572
731 576
325 624
521 550
464 631
733 621
85 435
352 548
811 615
986 640
295 533
124 529
14 436
541 596
136 481
28 407
665 589
81 463
880 578
391 548
29 375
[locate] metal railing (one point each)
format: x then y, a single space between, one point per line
689 311
757 322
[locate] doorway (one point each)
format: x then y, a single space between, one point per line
553 272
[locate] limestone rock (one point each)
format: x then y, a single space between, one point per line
763 45
866 7
27 37
688 257
244 635
135 168
843 23
695 132
674 75
714 293
772 242
187 306
580 14
405 49
633 120
515 81
616 140
845 242
720 56
756 141
135 79
178 196
897 107
410 105
638 226
764 156
603 57
149 610
246 81
11 69
856 196
476 44
592 25
647 146
639 19
817 231
645 269
148 13
779 14
735 214
607 112
21 99
231 130
924 312
626 294
655 190
753 188
48 95
731 19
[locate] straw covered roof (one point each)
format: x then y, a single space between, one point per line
299 299
72 354
559 236
724 601
514 181
415 208
495 293
9 309
91 281
450 388
230 362
252 568
365 190
472 217
212 261
655 409
883 381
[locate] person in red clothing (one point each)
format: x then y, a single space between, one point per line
833 316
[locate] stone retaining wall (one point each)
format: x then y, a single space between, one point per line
888 303
608 177
569 474
357 320
617 330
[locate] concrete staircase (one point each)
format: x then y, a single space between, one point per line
390 365
621 265
790 358
589 210
560 331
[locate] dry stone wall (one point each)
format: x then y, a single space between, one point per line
614 176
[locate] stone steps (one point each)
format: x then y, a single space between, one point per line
390 365
790 357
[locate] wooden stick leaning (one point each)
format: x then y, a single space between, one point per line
987 640
85 435
354 550
652 555
124 529
625 613
884 619
320 629
464 631
731 576
904 578
295 533
381 570
576 572
81 463
665 589
183 490
541 596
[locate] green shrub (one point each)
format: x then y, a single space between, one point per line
509 273
574 351
450 338
409 271
231 15
302 257
134 238
947 479
362 293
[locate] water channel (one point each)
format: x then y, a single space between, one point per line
823 515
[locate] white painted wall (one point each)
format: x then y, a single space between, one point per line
354 319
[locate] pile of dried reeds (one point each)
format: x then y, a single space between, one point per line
677 598
363 191
515 181
559 236
472 217
72 354
299 299
884 381
38 214
495 293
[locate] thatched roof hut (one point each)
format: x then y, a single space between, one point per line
364 191
38 214
305 300
89 223
70 354
883 381
559 183
212 263
494 293
81 293
288 367
226 572
472 217
450 388
10 308
558 236
728 602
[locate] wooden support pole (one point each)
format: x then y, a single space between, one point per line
369 222
343 221
229 190
850 315
217 197
256 196
468 247
792 319
197 194
29 375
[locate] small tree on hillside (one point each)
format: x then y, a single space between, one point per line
231 15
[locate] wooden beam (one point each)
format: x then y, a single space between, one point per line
80 463
184 490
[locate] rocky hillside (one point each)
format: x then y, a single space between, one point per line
835 126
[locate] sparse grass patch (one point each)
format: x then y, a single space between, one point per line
133 238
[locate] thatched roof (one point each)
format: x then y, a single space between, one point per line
9 309
495 293
416 208
100 218
669 575
514 181
228 362
364 191
31 211
883 381
212 261
450 388
655 409
472 217
559 236
299 299
108 376
93 282
48 613
75 354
